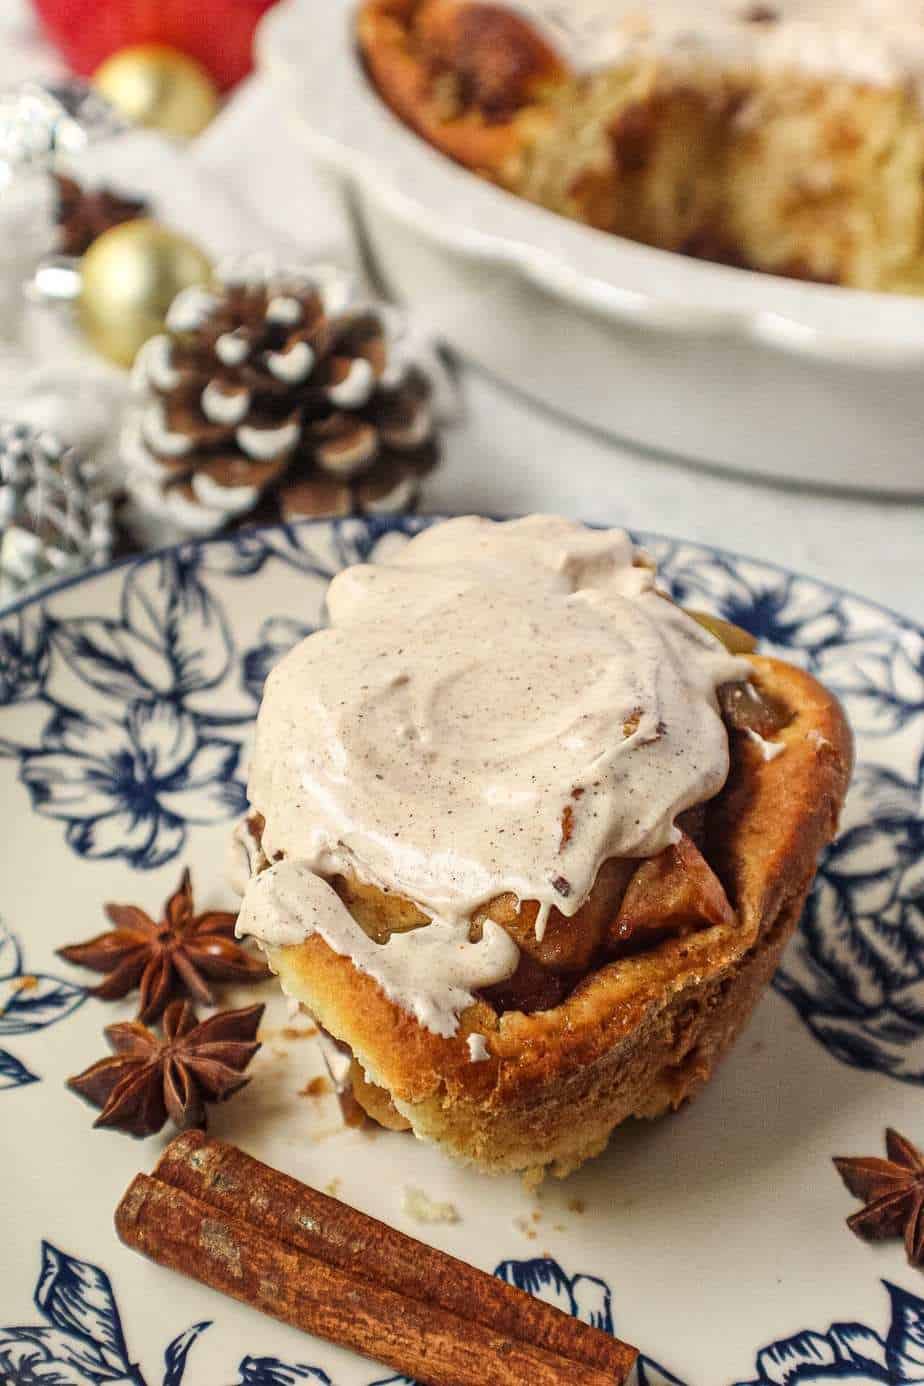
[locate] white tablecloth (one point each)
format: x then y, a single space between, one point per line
246 184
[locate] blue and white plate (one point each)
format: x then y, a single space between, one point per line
714 1240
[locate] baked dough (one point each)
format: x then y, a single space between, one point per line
635 1036
785 136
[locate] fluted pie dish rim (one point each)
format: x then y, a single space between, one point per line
349 128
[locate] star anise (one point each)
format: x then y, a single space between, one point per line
174 955
149 1078
893 1192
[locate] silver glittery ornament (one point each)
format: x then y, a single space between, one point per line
55 516
40 122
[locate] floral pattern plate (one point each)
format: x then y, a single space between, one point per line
714 1239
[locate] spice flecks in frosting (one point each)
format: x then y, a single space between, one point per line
469 692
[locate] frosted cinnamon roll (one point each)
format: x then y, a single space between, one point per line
529 838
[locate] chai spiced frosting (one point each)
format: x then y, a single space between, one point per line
501 708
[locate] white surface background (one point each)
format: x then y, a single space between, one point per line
246 184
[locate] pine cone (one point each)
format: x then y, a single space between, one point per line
55 515
82 213
270 388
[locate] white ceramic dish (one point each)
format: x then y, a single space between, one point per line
807 382
714 1240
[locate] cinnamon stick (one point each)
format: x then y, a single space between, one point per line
420 1340
307 1220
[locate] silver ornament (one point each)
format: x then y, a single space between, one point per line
55 515
41 122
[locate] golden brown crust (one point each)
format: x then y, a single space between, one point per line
458 74
375 1101
640 1034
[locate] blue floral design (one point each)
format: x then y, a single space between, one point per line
127 730
83 1343
23 657
880 680
278 635
855 971
129 787
787 612
584 1297
29 1001
129 753
269 1371
320 549
82 1339
850 1351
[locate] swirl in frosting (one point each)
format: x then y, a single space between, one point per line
500 707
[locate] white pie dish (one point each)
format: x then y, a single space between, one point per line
806 382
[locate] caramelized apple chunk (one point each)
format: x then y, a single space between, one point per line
531 988
746 707
569 943
379 913
673 893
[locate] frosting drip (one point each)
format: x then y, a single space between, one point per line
499 708
868 41
432 972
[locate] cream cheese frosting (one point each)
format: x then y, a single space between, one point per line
500 707
432 972
869 41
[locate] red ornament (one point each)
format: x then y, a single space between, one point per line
217 33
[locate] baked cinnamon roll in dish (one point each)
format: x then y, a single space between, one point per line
528 838
781 135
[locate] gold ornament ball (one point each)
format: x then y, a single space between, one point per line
129 277
154 85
